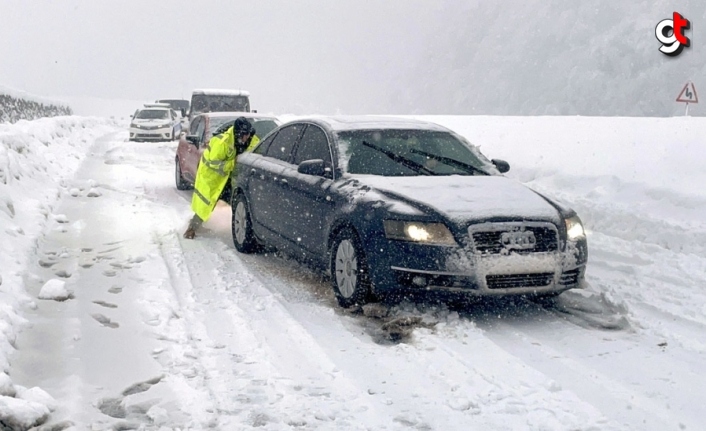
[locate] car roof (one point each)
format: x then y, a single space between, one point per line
220 92
157 105
339 123
237 114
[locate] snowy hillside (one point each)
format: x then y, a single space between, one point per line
18 107
116 322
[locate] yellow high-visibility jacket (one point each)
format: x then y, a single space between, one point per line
217 163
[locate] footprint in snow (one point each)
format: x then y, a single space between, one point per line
109 273
105 321
115 290
46 263
105 304
61 218
116 407
87 263
63 273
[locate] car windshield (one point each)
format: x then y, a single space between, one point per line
220 103
263 127
153 114
217 122
395 152
176 104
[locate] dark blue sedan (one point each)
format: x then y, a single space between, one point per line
392 205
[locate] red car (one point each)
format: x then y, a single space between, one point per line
202 127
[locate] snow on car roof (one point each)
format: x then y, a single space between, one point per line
221 92
364 122
157 105
236 114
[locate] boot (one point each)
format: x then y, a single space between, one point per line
190 233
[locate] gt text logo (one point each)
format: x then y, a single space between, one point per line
671 33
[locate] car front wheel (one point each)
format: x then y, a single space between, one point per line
241 226
349 270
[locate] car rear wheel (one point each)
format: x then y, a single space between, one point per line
349 270
181 183
241 226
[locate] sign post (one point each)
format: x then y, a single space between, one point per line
688 95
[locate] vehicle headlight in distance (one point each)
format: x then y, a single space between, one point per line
135 126
574 228
425 233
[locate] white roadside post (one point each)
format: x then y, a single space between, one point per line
688 95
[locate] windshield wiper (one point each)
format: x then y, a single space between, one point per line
411 164
452 162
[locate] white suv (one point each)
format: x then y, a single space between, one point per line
155 122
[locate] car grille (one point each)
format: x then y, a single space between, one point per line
518 280
148 135
569 277
489 241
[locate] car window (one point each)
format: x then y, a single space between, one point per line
219 103
264 145
282 145
195 125
153 114
313 145
200 129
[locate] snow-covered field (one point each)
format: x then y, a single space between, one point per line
109 319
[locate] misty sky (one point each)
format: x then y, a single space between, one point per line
353 56
293 55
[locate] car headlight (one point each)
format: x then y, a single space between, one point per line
135 126
425 233
574 228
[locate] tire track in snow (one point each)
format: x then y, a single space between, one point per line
467 391
262 368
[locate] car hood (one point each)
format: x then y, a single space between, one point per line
146 122
467 198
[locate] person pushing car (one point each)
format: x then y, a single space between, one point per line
217 163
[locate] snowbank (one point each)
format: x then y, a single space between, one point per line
35 158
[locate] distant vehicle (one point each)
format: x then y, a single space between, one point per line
391 206
155 122
181 106
202 128
218 100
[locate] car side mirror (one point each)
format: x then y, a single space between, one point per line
314 167
193 140
502 165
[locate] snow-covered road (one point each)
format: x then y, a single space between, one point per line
165 333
